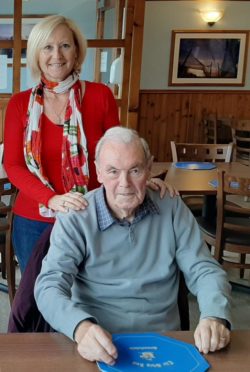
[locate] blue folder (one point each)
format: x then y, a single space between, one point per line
154 352
195 165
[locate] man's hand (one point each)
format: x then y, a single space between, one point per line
211 335
94 343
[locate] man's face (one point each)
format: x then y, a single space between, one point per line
123 171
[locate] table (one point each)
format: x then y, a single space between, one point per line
193 182
50 352
159 168
197 181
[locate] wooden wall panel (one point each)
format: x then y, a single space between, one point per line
176 115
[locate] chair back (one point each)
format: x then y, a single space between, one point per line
7 195
241 139
201 152
233 221
24 315
209 122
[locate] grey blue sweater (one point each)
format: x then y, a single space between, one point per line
125 276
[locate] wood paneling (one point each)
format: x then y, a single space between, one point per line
166 116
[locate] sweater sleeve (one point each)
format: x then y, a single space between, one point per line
14 162
53 288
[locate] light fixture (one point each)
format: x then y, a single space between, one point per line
211 16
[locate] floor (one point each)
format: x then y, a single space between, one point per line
240 304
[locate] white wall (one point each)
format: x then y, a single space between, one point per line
162 17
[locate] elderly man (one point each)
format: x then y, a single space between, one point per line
114 267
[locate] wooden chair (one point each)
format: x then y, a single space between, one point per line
209 123
241 139
7 194
200 152
231 230
216 129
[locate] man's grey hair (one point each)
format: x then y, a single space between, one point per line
122 135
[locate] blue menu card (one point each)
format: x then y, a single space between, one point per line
195 165
154 352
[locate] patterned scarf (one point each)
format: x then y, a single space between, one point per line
75 174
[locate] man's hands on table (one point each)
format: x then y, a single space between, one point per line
94 343
211 335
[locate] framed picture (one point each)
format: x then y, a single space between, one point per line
208 58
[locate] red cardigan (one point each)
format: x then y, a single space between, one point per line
99 112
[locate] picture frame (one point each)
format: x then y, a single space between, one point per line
208 58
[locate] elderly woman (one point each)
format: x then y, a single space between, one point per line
51 132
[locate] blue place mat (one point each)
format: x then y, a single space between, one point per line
152 352
195 165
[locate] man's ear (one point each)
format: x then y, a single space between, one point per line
150 163
98 173
149 168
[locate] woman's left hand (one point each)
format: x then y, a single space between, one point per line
157 184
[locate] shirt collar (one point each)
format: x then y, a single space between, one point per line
106 219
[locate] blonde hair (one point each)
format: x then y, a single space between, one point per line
41 32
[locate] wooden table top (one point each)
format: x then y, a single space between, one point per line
197 181
159 168
47 352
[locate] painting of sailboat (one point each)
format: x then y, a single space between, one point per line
208 58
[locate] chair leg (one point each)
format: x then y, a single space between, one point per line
242 261
3 264
183 304
10 267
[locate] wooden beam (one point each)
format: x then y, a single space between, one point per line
105 43
99 33
17 45
135 65
127 60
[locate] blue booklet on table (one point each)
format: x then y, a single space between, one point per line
213 183
233 184
195 165
154 352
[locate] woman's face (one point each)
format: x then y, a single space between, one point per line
57 57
